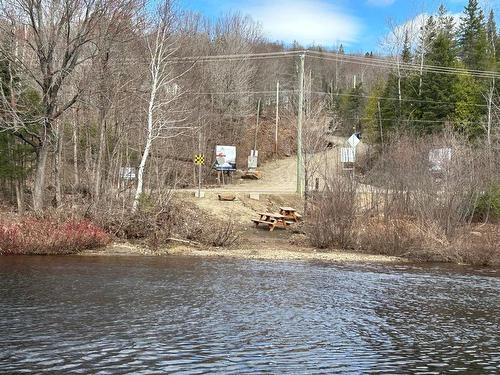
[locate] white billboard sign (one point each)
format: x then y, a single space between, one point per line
225 158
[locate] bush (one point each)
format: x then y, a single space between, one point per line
155 224
488 204
221 234
388 237
408 208
331 215
50 236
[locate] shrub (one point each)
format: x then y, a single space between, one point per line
331 215
154 224
50 236
488 204
222 234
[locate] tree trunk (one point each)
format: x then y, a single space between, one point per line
58 165
40 173
76 175
20 196
100 156
140 173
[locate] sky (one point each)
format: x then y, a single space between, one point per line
360 25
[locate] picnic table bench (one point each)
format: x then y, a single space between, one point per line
272 220
290 213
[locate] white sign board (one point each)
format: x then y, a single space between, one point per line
225 157
347 155
353 141
127 173
439 157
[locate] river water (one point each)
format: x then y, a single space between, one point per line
140 315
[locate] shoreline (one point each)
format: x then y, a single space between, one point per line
264 253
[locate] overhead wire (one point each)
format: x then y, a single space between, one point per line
399 63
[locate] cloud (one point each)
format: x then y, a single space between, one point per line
392 42
306 21
380 3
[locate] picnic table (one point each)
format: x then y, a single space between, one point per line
272 220
290 214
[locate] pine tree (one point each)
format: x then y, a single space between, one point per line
492 38
371 123
352 108
437 97
468 112
406 52
472 37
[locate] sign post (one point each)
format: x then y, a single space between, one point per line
199 160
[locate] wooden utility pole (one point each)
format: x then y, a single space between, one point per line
277 117
257 125
300 172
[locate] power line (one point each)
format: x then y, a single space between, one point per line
411 66
328 56
395 99
273 93
426 68
232 57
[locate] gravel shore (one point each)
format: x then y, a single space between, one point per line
262 253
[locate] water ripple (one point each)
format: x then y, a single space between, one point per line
75 315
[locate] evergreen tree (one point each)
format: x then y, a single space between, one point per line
437 98
468 112
352 108
406 52
472 37
492 38
371 122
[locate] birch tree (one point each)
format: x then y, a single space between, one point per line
163 120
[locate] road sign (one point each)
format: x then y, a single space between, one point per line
347 155
439 158
127 173
252 162
199 159
353 141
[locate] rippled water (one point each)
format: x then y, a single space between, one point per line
164 315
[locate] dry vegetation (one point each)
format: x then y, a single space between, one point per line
46 236
412 211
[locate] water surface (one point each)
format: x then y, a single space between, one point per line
139 315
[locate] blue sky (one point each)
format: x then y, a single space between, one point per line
358 24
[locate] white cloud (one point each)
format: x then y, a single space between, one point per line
380 3
393 40
306 21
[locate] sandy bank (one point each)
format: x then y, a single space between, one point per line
263 253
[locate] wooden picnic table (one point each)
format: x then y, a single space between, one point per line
272 220
290 214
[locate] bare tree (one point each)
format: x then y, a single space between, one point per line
59 39
163 121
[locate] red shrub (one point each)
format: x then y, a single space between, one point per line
49 236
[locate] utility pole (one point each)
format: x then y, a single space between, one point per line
277 117
300 172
